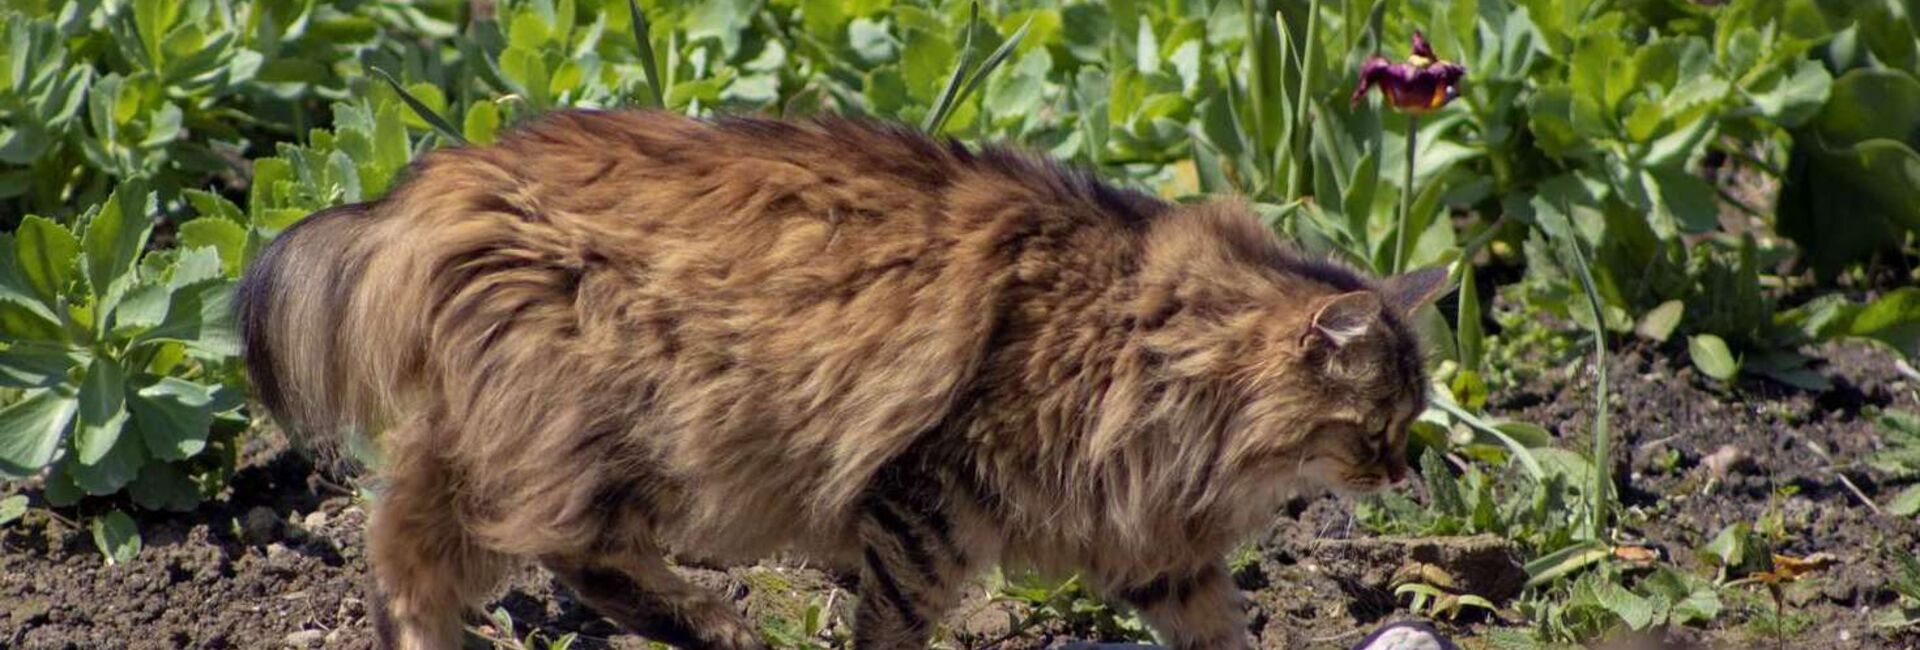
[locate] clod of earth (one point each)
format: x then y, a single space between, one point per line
1369 569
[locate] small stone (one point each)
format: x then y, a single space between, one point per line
315 520
275 550
306 639
1726 460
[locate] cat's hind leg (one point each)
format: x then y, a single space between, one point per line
635 588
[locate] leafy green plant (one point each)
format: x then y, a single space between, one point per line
1904 612
172 93
808 631
1899 458
123 359
1856 157
1064 603
501 634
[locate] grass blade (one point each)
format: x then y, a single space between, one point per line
1601 493
1310 48
949 96
1553 566
994 60
648 62
1520 451
421 109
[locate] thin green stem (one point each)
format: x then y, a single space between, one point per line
1601 498
1406 196
1310 48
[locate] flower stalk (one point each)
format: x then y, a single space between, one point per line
1406 196
1417 86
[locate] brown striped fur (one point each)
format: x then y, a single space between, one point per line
618 335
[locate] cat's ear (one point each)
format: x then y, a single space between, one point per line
1345 317
1408 292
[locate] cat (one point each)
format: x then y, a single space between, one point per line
616 336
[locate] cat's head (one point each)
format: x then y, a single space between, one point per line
1340 377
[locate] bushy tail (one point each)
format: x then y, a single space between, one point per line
305 348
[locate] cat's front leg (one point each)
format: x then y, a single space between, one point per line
1192 610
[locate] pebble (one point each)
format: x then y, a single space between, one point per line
315 521
306 639
1724 461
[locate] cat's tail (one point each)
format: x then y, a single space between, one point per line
302 310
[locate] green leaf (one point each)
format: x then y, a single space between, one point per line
23 315
114 471
1893 319
1907 503
706 90
144 307
103 410
163 486
1798 96
1636 611
1469 334
1729 548
45 253
12 508
61 491
31 430
1526 433
1683 202
32 364
1551 567
1711 356
648 63
208 204
993 62
173 415
1442 487
918 59
116 537
391 148
112 243
20 145
268 175
1659 324
227 237
422 110
482 123
195 266
201 317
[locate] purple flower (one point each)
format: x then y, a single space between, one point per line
1420 85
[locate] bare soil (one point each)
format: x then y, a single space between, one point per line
276 562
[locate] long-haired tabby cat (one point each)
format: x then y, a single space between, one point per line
619 335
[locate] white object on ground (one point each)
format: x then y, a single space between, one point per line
1406 635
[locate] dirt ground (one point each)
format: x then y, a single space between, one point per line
277 561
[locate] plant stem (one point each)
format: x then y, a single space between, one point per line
1406 196
1301 99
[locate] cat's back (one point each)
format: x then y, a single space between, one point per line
813 295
